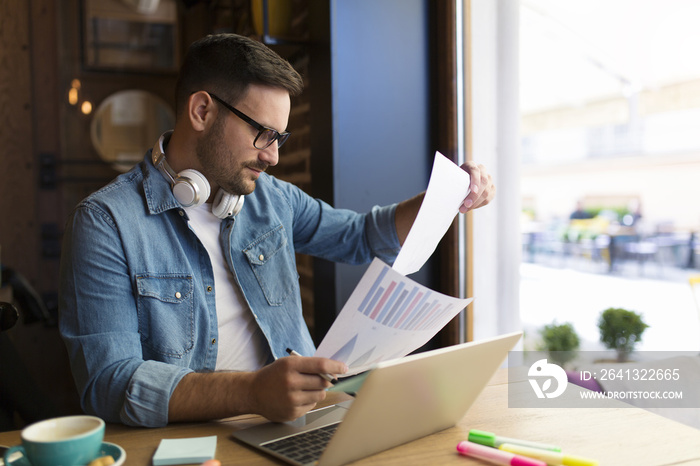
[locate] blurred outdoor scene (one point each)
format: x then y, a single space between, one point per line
610 128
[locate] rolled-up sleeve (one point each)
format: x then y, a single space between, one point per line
380 229
148 394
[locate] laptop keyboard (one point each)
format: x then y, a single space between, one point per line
305 447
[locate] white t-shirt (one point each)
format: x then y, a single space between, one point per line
241 342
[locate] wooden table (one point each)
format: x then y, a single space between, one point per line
617 435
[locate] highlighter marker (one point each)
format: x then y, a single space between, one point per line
476 450
495 441
550 457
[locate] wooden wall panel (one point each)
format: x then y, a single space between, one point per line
17 173
444 94
29 127
445 132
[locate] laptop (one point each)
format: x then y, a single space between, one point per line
399 401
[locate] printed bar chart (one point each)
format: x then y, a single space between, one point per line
401 305
387 316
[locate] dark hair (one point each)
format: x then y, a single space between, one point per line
227 64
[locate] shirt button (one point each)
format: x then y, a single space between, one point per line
213 341
178 295
261 257
209 288
182 214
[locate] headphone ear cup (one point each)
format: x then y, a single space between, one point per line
226 205
191 188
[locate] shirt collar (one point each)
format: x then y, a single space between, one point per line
157 190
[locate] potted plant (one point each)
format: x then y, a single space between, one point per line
621 330
561 342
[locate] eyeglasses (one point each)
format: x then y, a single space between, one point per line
266 136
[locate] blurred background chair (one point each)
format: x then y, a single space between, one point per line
22 400
8 316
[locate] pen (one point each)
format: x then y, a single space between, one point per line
495 441
493 455
327 377
550 457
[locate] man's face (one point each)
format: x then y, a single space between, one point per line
226 151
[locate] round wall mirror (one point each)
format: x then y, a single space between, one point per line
127 124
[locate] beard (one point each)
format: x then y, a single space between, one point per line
220 164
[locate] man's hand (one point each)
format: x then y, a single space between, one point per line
291 386
482 191
482 187
281 391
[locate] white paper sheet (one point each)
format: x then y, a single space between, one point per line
447 188
387 316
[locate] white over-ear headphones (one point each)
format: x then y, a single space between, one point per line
191 188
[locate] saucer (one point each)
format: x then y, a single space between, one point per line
114 450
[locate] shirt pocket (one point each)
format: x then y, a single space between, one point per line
273 265
166 313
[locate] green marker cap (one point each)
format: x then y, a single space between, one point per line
482 437
492 440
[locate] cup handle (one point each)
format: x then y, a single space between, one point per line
12 450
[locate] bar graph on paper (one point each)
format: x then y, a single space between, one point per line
386 317
402 306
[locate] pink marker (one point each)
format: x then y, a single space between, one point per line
497 456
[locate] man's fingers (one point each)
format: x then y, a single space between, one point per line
482 189
315 365
284 390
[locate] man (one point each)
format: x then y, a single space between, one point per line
171 313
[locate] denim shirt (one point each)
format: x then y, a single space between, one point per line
137 296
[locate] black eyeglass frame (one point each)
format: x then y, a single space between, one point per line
281 138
